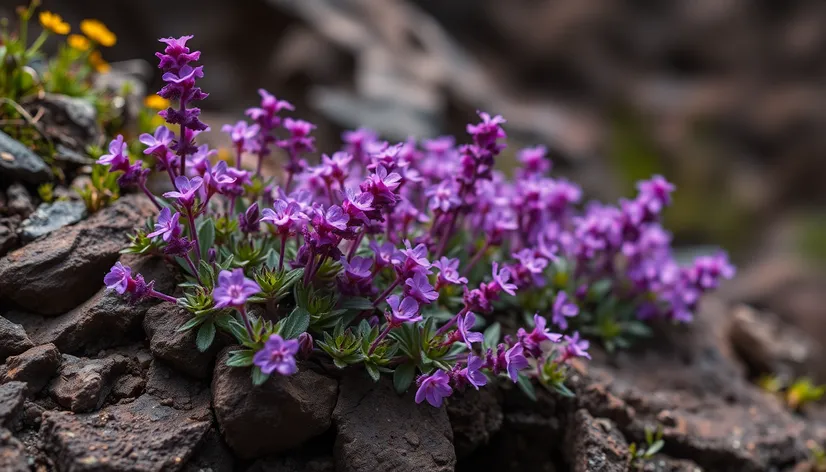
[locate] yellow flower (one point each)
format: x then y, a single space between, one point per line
99 63
78 42
98 32
156 102
54 23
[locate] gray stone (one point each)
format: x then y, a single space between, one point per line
72 121
51 216
19 162
377 429
58 272
174 389
83 384
12 397
13 339
35 367
281 414
18 200
8 233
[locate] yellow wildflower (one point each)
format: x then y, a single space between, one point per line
98 32
54 23
99 63
156 102
78 42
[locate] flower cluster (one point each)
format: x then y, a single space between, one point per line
400 258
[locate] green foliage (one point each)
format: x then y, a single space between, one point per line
46 192
653 444
101 190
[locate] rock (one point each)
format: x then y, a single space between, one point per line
12 453
83 384
128 386
174 389
55 274
140 436
72 121
13 339
18 201
66 154
661 463
212 455
19 162
376 429
177 348
475 416
51 216
594 445
12 397
294 464
35 367
8 233
104 320
281 414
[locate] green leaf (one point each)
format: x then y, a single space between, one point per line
373 370
241 358
561 389
206 334
526 386
195 321
258 377
655 448
357 303
296 323
403 377
492 335
238 331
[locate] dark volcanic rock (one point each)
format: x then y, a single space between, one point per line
13 339
18 200
19 162
128 386
174 389
35 367
72 121
12 397
135 437
50 217
379 430
594 445
55 274
294 464
177 348
103 320
83 384
475 416
282 413
8 233
212 455
12 453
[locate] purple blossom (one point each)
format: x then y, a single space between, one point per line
655 194
241 132
385 253
233 289
266 114
187 189
472 374
277 355
410 259
464 326
358 206
119 278
402 310
176 55
534 160
515 361
434 388
117 159
300 140
444 197
576 347
167 225
218 179
382 186
358 268
486 133
286 217
420 289
501 280
532 341
249 221
449 271
562 310
158 144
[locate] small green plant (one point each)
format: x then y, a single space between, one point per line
817 457
101 190
803 391
653 444
46 192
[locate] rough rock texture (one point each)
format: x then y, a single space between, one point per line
19 201
294 464
72 121
55 274
8 233
12 397
177 348
135 437
475 416
212 455
12 453
34 367
276 416
594 445
379 430
128 386
83 384
50 217
175 390
103 320
19 162
13 339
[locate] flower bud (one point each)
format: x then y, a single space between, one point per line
305 344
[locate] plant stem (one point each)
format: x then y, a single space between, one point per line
354 247
163 296
142 185
194 269
387 291
181 142
380 338
446 237
308 269
476 257
283 249
193 233
243 310
452 322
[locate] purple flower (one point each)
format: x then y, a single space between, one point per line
358 206
241 132
534 160
270 107
277 355
464 326
449 271
420 289
655 194
249 221
117 158
382 185
218 179
486 133
286 217
233 289
515 361
167 225
411 259
562 310
471 372
160 143
385 253
176 54
358 268
402 310
300 140
119 278
187 190
434 388
501 279
444 197
576 347
707 271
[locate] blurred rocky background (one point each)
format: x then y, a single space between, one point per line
724 97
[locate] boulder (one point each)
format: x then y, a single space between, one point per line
475 416
8 233
19 201
19 162
35 367
12 397
83 384
595 445
50 217
177 348
12 453
13 339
